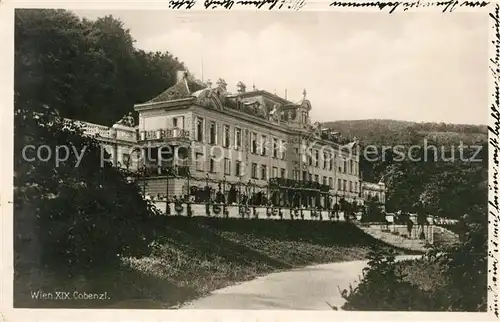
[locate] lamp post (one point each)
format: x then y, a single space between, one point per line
144 181
239 195
207 189
188 201
224 209
207 197
253 200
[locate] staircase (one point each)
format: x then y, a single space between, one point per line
443 236
378 232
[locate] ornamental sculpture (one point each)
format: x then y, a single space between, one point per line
127 120
275 113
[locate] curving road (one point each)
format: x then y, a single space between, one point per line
309 288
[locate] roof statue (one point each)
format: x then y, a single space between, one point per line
316 129
304 93
274 115
127 120
222 84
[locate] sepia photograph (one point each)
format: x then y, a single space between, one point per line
245 160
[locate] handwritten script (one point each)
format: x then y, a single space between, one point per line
447 6
493 187
259 4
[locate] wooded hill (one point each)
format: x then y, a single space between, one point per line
392 132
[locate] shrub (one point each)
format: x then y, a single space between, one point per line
460 286
87 214
383 288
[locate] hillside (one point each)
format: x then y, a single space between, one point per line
389 132
194 256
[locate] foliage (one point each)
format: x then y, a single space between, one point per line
373 212
383 287
460 285
86 70
87 213
466 268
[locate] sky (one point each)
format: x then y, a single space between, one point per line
423 67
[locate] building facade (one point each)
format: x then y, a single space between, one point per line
374 191
194 136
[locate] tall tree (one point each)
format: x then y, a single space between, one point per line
87 70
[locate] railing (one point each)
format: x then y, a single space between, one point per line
161 134
95 129
297 184
178 171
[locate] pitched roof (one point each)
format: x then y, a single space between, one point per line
184 88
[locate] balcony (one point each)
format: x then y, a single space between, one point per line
297 184
152 171
163 134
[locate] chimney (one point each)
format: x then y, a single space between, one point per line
181 74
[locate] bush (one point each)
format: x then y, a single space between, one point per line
460 285
383 288
87 214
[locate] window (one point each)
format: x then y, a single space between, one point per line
351 169
237 138
275 172
263 172
325 160
212 165
199 161
227 166
304 175
309 159
339 184
304 117
126 161
282 150
345 166
316 178
331 161
275 148
174 122
310 176
317 158
254 142
325 180
238 169
355 187
263 145
254 170
213 133
350 186
226 136
283 173
199 129
345 185
330 182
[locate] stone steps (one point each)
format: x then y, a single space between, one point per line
395 240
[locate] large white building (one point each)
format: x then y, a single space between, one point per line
194 137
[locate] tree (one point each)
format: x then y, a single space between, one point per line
87 214
87 70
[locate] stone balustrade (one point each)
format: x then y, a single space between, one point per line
233 211
162 134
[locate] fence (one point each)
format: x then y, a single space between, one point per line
241 211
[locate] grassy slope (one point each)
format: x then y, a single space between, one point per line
193 256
